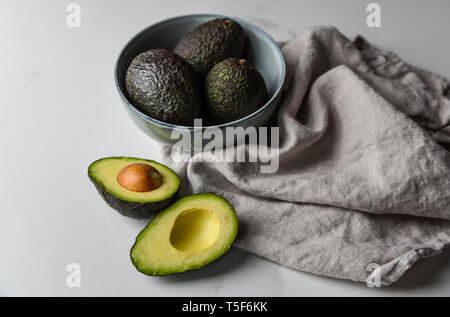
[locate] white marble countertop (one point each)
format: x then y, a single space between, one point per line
60 111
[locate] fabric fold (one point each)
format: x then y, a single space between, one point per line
363 172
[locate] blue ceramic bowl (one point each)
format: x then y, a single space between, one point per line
261 51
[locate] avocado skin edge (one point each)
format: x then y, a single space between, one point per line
133 209
199 265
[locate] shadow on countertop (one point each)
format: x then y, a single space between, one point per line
425 273
424 277
231 260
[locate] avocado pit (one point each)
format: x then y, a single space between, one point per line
139 177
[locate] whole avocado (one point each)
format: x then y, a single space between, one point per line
210 43
164 86
233 90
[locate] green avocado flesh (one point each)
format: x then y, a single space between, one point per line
210 43
104 173
189 234
233 89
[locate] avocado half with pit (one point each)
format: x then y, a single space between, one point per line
189 234
134 187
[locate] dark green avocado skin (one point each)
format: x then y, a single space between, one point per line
210 43
233 90
133 209
164 86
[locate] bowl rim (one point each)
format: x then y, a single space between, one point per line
192 128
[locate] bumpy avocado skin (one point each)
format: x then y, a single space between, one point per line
133 209
164 86
233 90
210 43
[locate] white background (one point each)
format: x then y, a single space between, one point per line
60 111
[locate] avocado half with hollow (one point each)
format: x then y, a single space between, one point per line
189 234
134 187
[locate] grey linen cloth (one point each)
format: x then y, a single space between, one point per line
364 171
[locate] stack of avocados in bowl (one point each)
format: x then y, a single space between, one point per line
204 77
231 74
198 66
